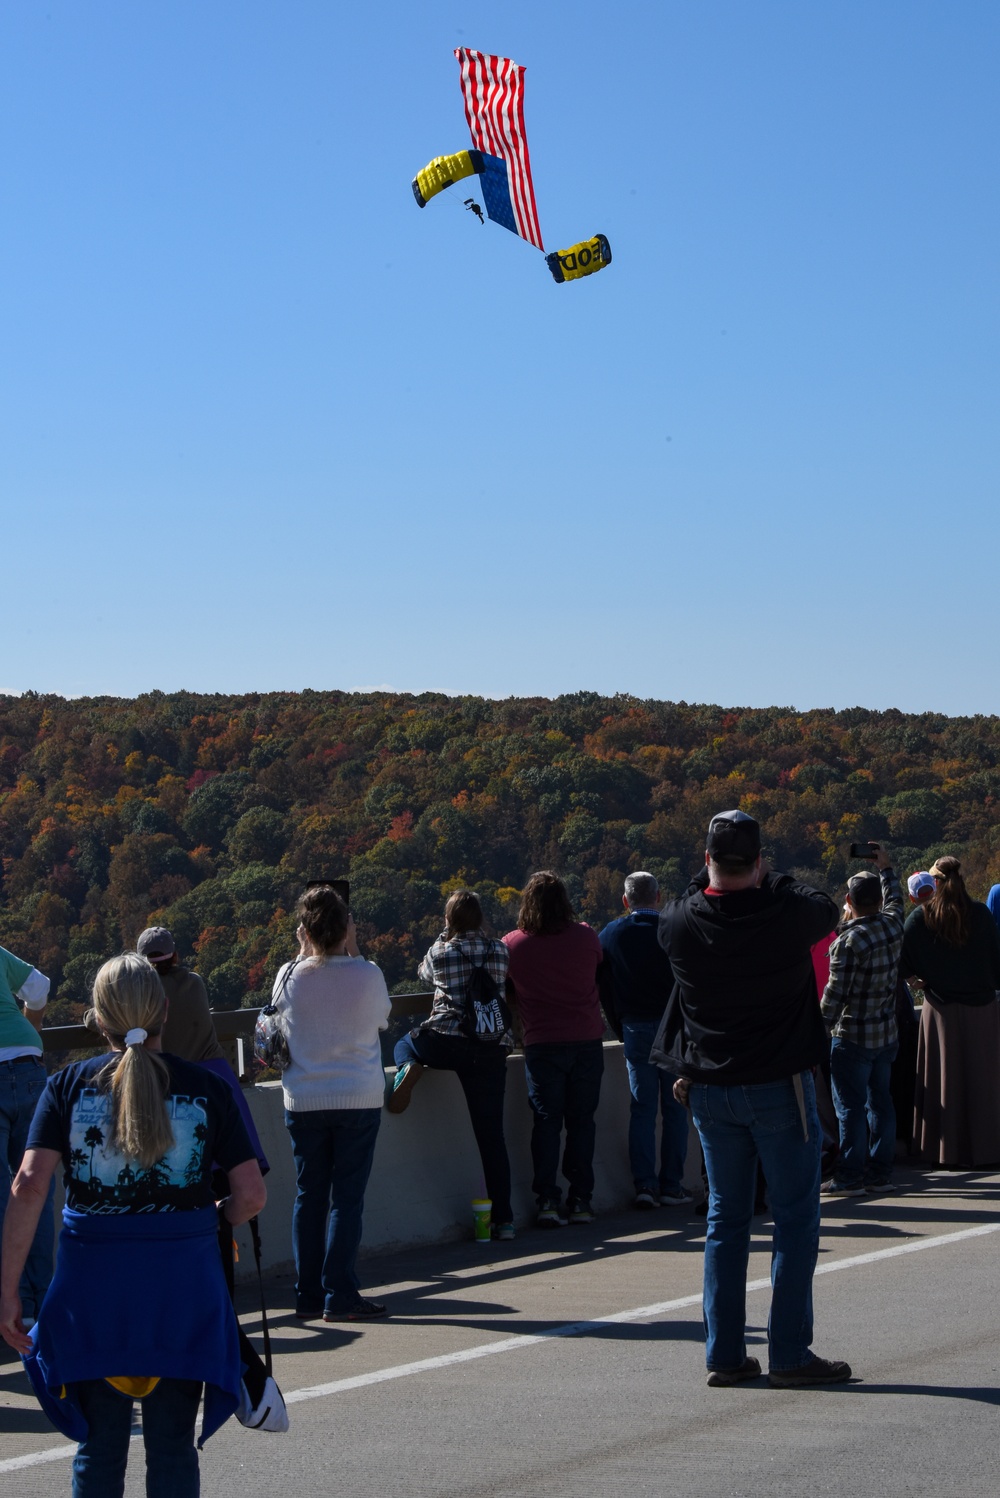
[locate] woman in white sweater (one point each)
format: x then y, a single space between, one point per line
331 1005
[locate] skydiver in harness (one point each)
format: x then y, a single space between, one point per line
473 207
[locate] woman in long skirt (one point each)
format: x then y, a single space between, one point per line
951 943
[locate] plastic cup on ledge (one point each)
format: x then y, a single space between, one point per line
482 1211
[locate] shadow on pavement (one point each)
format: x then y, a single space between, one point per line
979 1395
628 1331
25 1422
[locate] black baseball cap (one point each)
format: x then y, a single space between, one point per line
733 837
865 890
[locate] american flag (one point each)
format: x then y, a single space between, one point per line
494 107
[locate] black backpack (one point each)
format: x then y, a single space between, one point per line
487 1017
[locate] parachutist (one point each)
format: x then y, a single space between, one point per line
473 207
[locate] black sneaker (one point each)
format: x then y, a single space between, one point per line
816 1371
549 1215
581 1212
678 1198
724 1378
833 1187
361 1310
880 1187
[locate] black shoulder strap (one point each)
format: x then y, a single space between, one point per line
255 1236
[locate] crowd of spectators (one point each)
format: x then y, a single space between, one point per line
782 1025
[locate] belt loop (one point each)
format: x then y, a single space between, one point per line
801 1100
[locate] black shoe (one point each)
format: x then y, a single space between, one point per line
361 1310
724 1378
816 1371
549 1215
308 1313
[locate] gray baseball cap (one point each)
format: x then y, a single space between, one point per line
155 943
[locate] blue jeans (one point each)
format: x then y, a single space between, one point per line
21 1085
482 1071
333 1150
168 1416
650 1087
737 1125
860 1084
564 1086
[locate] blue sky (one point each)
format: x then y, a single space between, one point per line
264 424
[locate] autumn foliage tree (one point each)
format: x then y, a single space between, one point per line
208 813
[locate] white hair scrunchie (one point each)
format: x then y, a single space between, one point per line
135 1037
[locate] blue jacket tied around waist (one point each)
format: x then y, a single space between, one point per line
136 1295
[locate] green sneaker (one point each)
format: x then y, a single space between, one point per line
406 1078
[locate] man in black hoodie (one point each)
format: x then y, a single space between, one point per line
742 1032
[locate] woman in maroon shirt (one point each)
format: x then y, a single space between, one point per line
553 967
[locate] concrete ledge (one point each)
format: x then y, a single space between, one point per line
427 1171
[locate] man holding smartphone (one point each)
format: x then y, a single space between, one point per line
859 1010
742 1032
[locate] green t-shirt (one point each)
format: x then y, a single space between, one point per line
15 1030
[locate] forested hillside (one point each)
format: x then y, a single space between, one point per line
207 813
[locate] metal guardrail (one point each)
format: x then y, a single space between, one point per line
230 1024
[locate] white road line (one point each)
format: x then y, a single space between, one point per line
35 1458
570 1329
638 1313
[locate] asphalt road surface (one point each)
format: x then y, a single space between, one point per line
572 1363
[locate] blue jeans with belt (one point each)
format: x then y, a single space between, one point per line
22 1083
652 1088
738 1125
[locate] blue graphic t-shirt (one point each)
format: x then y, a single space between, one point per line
74 1117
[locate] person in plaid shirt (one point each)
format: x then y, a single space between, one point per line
443 1043
859 1010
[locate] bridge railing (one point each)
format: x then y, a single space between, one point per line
232 1026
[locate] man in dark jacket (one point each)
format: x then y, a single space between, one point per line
742 1032
635 982
189 1031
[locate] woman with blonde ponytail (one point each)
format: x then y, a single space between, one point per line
951 944
137 1133
129 1010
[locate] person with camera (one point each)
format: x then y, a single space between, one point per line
331 1005
742 1032
859 1011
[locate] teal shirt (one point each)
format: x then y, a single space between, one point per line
15 1030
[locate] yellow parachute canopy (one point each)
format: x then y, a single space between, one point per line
581 259
442 172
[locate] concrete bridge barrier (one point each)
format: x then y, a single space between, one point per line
427 1170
